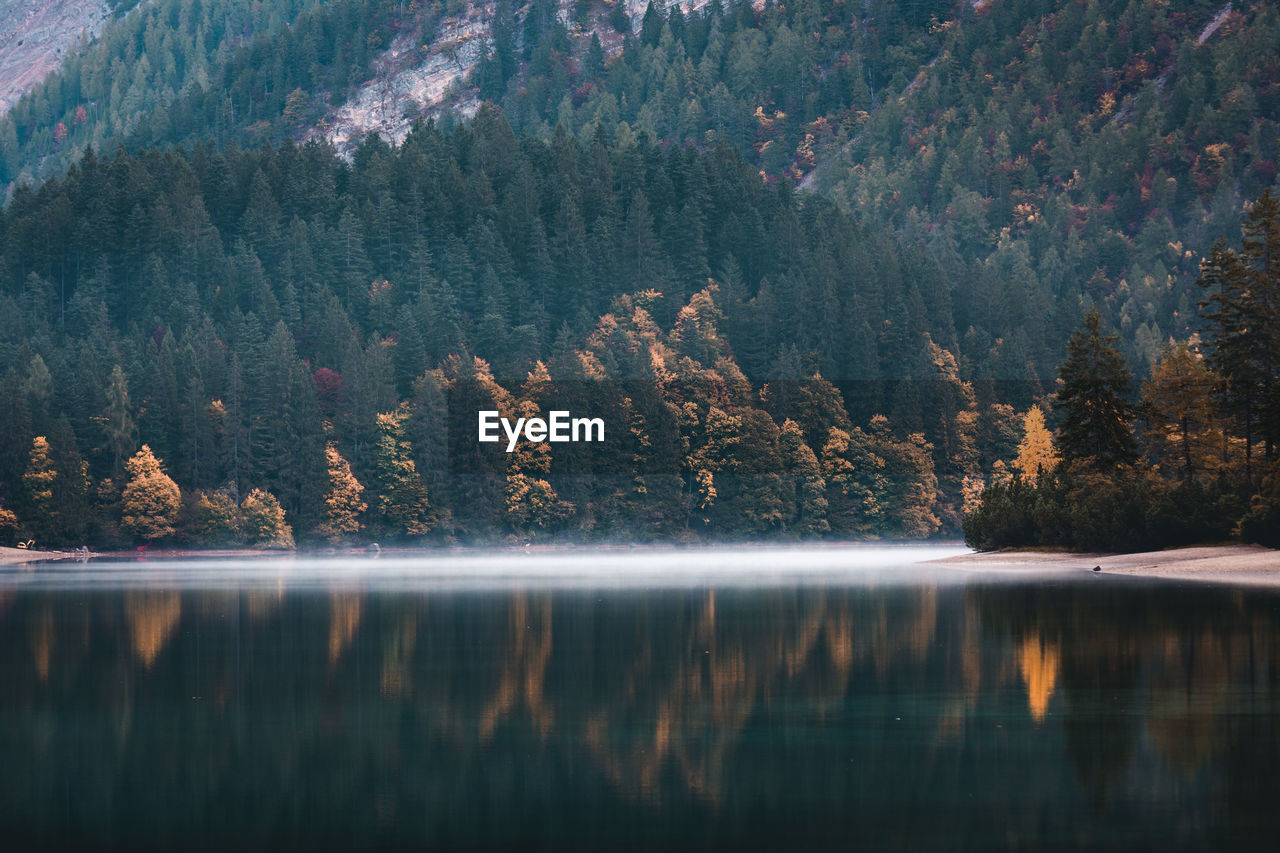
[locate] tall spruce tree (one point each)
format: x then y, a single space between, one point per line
1243 316
1094 398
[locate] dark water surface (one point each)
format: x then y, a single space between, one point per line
353 705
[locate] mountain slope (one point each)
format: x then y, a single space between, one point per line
34 34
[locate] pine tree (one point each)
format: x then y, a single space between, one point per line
118 420
1036 455
343 504
1243 315
150 501
1093 397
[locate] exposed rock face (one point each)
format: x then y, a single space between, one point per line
34 35
416 81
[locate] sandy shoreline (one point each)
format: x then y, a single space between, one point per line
1236 564
17 556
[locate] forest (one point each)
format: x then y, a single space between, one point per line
821 269
281 323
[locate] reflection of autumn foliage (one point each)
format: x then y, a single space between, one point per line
1191 690
525 669
1038 663
152 617
344 621
716 701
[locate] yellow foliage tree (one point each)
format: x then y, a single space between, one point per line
1185 431
39 477
151 499
343 504
1036 455
262 519
532 503
8 521
215 518
402 497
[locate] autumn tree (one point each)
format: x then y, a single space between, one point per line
1036 455
855 483
151 500
1093 396
910 484
343 504
532 503
402 498
1184 430
39 479
808 515
214 518
263 522
8 521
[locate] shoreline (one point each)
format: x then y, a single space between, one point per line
1252 565
20 556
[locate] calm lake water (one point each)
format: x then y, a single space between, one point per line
759 699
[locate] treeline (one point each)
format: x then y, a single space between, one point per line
764 365
1196 459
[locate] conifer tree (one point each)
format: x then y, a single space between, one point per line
118 420
343 505
1243 314
151 500
1093 396
1036 455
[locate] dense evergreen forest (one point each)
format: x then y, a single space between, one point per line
241 313
816 263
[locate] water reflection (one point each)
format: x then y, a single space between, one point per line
1067 715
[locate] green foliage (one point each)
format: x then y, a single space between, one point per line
1093 398
213 519
262 521
402 498
1243 318
1215 489
1083 509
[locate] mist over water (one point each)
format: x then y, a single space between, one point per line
425 571
723 698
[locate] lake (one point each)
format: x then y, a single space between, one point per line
719 699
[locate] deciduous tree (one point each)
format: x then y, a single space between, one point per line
151 500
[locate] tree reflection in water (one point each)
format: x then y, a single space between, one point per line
1061 715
